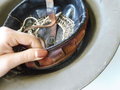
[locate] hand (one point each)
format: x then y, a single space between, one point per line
8 58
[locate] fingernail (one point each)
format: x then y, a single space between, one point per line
37 59
40 54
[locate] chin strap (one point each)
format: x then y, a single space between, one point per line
51 13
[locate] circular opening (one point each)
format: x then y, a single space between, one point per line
87 39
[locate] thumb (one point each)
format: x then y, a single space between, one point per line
12 60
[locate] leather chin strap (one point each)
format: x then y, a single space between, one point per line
52 16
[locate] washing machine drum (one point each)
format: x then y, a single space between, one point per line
61 24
